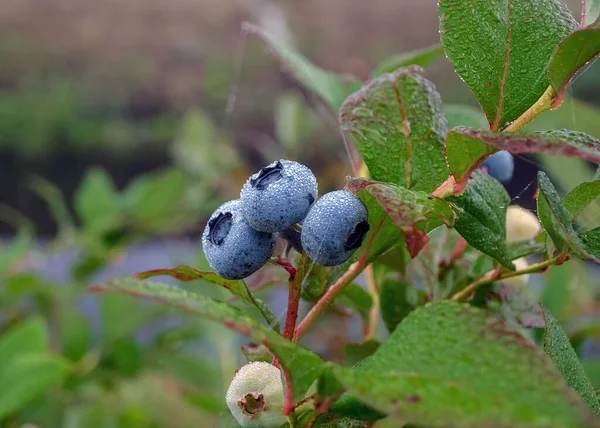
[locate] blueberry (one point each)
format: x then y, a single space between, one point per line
292 236
500 165
233 249
278 196
334 228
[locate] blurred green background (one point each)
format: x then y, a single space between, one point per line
123 125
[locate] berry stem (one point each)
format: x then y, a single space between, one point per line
295 289
328 298
375 307
495 275
284 263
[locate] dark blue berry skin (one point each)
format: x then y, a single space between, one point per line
278 196
500 165
292 236
233 249
334 228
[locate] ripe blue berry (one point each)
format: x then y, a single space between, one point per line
233 249
278 196
334 228
500 165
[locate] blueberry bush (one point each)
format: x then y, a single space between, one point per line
425 225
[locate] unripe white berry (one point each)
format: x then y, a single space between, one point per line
520 280
255 396
521 224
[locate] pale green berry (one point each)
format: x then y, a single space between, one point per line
255 396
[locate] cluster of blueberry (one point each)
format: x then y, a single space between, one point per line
281 199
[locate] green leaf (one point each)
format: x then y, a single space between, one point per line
293 120
415 213
421 57
55 200
27 337
465 115
400 126
97 202
591 240
573 53
515 305
397 298
329 420
236 287
120 318
560 351
330 87
518 249
501 49
301 366
483 221
581 196
26 377
355 352
440 368
74 332
465 153
156 201
467 148
590 12
356 297
557 221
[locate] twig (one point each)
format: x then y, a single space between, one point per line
546 102
457 253
295 290
495 275
375 307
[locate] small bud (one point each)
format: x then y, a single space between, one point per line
521 224
521 280
255 396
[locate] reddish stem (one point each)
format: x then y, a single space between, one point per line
295 287
457 253
285 263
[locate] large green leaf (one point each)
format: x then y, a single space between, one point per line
415 213
467 148
451 364
236 287
560 351
572 54
557 221
400 126
27 376
330 87
97 202
483 221
501 49
301 366
421 57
